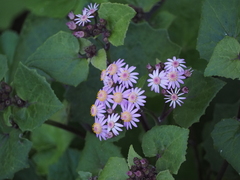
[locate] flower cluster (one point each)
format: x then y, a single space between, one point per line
141 170
117 95
169 76
81 25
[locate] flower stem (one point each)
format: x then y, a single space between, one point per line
144 121
164 114
65 127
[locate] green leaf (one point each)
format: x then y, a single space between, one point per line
132 154
100 60
166 175
226 135
118 17
45 7
141 82
8 43
9 10
83 44
146 5
13 153
225 60
3 67
96 154
66 166
170 143
50 146
143 45
162 19
85 92
58 57
219 19
198 99
84 175
115 168
42 102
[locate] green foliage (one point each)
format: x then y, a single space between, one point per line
34 89
45 7
13 153
84 175
225 138
118 17
4 66
132 154
166 175
198 99
225 59
58 57
220 18
96 153
66 166
115 168
162 19
100 60
169 143
143 45
146 5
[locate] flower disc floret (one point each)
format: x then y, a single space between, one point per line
157 79
119 96
83 18
175 64
100 128
127 77
135 97
174 78
174 98
129 116
103 96
113 125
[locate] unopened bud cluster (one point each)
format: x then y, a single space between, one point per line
6 99
169 76
139 14
82 26
142 170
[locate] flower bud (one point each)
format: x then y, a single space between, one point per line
96 32
103 22
71 15
185 89
79 34
71 25
188 72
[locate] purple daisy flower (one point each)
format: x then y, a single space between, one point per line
103 96
173 97
99 128
127 77
129 116
174 78
114 68
92 8
108 82
103 74
157 79
83 18
175 64
119 96
135 97
97 110
113 125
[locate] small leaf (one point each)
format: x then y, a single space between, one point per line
141 82
84 175
3 67
169 143
100 60
58 57
96 154
13 153
115 168
219 19
42 102
225 60
132 154
165 175
198 99
118 17
226 137
65 168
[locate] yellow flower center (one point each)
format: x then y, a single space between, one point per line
126 116
93 110
102 95
124 76
132 97
97 128
117 97
112 69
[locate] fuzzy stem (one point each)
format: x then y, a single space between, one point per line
164 114
65 127
222 170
